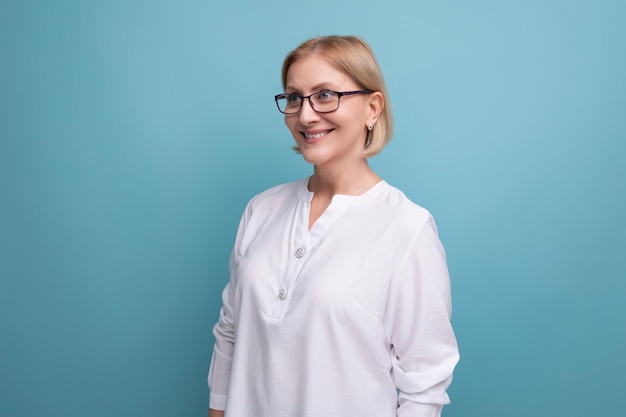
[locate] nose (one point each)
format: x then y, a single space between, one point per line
307 114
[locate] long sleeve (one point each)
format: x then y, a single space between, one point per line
224 332
221 361
417 323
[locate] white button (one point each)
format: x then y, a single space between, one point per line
282 295
299 252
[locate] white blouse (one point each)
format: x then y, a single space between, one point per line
350 318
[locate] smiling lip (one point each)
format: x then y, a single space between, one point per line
315 136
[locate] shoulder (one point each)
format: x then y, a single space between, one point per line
402 210
412 227
276 196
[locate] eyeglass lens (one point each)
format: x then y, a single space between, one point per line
323 101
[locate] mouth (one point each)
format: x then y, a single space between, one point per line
316 136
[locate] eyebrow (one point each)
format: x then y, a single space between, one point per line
315 89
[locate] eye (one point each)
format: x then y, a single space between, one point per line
325 96
292 98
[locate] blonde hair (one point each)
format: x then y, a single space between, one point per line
355 58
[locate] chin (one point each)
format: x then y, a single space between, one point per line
314 156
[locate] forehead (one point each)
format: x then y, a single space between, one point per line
315 71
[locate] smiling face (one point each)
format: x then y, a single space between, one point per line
336 138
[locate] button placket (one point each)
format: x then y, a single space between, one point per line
295 262
298 253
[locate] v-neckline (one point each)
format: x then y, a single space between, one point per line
337 206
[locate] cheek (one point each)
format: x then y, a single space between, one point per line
291 125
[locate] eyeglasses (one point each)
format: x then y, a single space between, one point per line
324 101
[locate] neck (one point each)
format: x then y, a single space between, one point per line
355 180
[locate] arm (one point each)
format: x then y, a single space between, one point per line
224 332
216 413
221 361
417 323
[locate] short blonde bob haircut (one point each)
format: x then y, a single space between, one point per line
355 58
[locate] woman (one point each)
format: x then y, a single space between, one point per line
338 303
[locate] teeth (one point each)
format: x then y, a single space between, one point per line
315 136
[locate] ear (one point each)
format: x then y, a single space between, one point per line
376 104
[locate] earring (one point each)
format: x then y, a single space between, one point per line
370 126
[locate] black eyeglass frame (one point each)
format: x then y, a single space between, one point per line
339 95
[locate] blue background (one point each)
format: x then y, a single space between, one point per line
132 133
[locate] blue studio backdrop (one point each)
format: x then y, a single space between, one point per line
132 133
